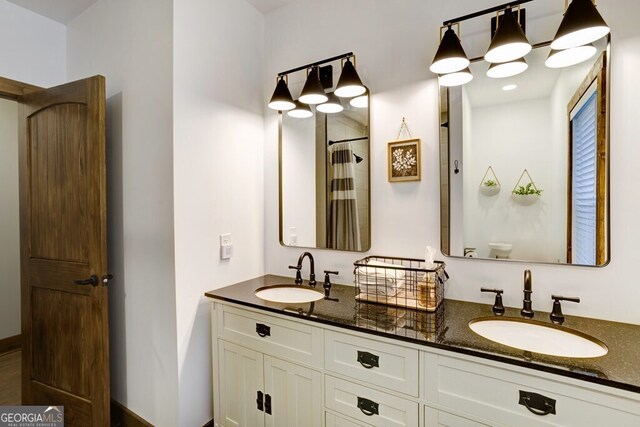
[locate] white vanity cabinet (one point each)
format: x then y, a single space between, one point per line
255 387
494 393
320 375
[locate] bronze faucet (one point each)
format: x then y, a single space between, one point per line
526 302
312 273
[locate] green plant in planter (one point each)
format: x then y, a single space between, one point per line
526 190
490 183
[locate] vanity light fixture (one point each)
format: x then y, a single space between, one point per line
507 69
281 99
333 104
450 56
361 101
349 83
458 78
509 42
313 92
301 111
582 24
319 81
571 56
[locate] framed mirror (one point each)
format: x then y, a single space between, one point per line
324 179
524 164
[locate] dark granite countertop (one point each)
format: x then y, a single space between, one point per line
447 329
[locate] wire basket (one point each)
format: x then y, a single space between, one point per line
400 321
400 282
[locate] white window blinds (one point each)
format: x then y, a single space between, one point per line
584 135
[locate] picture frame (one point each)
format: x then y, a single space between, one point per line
403 159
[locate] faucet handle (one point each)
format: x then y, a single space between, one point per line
556 315
498 307
298 280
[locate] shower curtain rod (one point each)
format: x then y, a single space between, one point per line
348 140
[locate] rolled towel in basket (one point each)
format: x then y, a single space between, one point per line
376 278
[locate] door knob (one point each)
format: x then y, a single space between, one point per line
93 281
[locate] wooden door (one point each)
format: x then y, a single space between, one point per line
240 376
63 243
295 394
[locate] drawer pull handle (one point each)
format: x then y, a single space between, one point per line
263 330
368 407
537 403
368 360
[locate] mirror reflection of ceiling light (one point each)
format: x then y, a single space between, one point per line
301 111
508 88
361 101
456 79
571 56
507 69
333 105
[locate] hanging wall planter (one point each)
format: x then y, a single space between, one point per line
488 186
525 195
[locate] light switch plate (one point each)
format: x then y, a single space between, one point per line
225 239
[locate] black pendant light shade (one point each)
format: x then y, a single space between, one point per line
301 111
582 24
349 84
450 56
313 92
509 42
281 99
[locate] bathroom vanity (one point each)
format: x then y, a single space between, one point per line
342 363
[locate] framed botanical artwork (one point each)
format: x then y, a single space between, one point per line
404 160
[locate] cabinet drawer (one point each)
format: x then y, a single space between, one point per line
369 406
492 393
337 421
391 366
436 418
282 338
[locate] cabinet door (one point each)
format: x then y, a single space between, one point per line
295 394
240 375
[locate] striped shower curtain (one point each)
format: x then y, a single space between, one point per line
343 229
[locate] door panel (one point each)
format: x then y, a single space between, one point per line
59 183
63 239
241 372
296 394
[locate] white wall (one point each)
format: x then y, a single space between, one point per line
9 221
537 232
130 43
395 46
33 48
218 173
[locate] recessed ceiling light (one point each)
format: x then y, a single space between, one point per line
509 87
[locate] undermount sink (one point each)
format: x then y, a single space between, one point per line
291 294
538 337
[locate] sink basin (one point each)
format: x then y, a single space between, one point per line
538 337
291 294
501 249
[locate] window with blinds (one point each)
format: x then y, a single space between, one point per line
584 128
